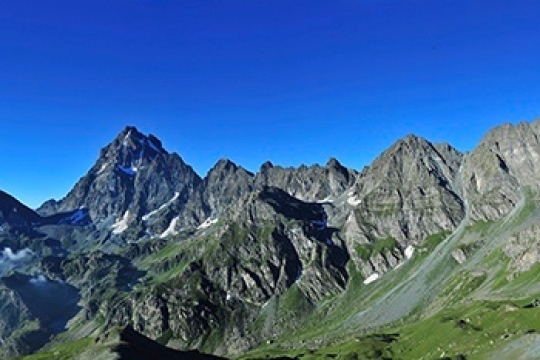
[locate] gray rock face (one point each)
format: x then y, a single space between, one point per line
304 241
133 179
408 193
410 187
137 189
224 184
459 256
13 213
506 159
523 250
13 313
265 243
313 183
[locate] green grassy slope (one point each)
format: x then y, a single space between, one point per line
472 310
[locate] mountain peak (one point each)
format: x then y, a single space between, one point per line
130 134
412 139
333 163
133 177
266 166
410 145
225 163
133 139
414 160
129 129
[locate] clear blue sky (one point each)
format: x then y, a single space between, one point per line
287 81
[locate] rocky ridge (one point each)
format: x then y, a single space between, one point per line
199 261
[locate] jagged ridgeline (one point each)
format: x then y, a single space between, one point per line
311 261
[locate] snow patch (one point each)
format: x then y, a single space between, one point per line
171 230
8 255
121 225
130 170
102 169
163 206
409 251
325 200
126 138
371 278
354 201
207 223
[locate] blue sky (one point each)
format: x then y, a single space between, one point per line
288 81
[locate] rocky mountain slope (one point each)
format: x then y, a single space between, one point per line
409 192
15 214
132 181
287 258
506 160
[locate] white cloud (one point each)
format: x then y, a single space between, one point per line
40 279
8 255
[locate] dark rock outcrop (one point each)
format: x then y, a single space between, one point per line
128 344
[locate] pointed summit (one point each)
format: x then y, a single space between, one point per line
410 180
414 159
334 165
339 176
333 162
225 164
128 130
129 152
224 184
133 139
130 135
266 166
411 141
132 178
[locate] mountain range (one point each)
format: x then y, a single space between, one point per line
428 252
